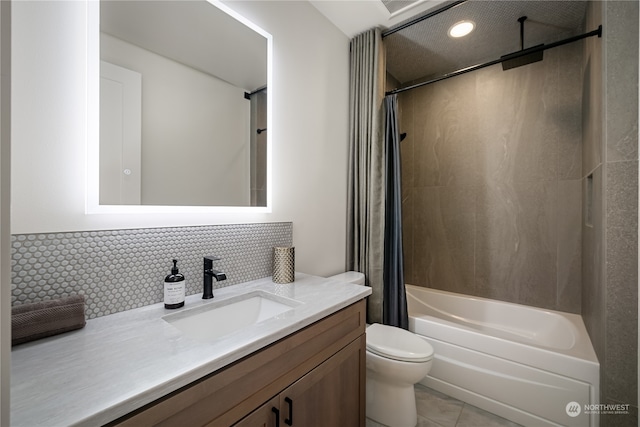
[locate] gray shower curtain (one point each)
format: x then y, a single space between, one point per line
365 216
394 296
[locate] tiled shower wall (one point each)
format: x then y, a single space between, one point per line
491 175
610 170
123 269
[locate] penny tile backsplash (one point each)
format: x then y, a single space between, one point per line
119 270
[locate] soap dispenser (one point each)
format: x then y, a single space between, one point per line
174 288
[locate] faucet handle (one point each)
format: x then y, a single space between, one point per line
208 261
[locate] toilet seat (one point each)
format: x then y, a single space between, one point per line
397 344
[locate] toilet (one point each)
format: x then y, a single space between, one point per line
396 360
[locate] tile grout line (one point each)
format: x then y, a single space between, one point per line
460 414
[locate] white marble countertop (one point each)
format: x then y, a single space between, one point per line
120 362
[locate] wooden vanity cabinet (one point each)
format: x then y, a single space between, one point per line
314 377
329 395
268 415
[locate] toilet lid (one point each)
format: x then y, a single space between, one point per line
398 344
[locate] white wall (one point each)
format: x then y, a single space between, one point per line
5 244
309 128
195 131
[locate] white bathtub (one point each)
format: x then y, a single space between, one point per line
523 363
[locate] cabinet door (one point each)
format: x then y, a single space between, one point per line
267 415
330 395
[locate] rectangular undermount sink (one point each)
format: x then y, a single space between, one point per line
216 319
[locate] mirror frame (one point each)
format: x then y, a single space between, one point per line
93 205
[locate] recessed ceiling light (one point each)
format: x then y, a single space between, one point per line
461 29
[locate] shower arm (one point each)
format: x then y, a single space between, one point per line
521 21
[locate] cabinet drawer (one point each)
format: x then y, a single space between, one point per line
229 394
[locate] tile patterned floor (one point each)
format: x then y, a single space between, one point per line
438 410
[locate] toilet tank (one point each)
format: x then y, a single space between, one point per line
354 277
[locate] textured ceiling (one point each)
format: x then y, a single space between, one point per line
424 50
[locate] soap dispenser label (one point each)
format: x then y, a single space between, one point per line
174 292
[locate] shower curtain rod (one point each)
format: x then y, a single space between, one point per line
421 18
504 58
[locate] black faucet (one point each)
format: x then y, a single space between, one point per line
209 275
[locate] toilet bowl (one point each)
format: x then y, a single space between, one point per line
396 360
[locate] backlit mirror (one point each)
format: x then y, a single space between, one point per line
183 106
